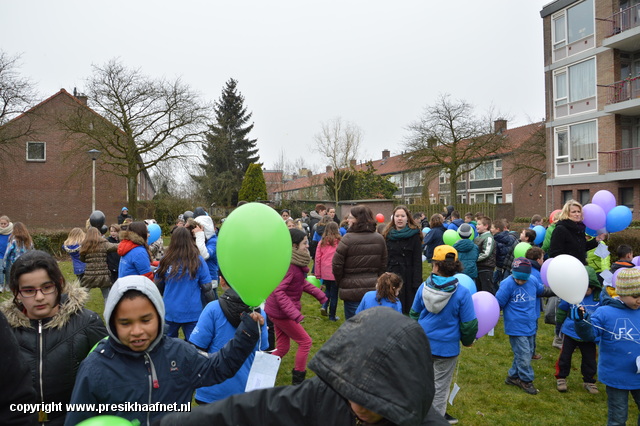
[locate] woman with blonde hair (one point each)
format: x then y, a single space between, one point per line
72 246
569 236
19 243
93 252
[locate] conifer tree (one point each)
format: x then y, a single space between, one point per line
254 187
228 151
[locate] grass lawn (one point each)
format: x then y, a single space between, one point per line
483 398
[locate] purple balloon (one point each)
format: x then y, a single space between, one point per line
543 271
636 261
487 311
604 199
594 216
615 276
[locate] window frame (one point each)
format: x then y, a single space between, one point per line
44 152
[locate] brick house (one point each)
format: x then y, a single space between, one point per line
592 85
47 175
492 182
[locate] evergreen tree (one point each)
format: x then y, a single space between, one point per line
228 151
254 187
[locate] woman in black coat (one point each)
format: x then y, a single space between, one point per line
569 236
404 253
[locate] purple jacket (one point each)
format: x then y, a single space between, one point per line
284 302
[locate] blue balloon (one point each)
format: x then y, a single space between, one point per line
426 230
540 232
619 218
466 281
591 232
154 233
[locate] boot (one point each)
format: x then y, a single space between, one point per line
298 376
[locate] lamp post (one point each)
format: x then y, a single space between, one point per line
93 154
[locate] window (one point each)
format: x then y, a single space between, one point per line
580 21
576 143
583 196
561 88
566 196
626 197
559 32
444 177
36 151
582 80
488 170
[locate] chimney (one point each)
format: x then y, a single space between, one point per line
309 173
386 154
352 163
499 126
329 169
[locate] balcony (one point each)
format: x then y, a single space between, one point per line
623 97
624 30
621 160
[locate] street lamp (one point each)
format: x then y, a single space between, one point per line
94 154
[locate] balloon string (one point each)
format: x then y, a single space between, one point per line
259 333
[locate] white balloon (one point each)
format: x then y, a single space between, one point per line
568 278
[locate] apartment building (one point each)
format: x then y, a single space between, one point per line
592 97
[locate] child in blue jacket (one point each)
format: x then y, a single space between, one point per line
616 324
445 311
386 293
517 296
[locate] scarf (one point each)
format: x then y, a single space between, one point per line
232 306
300 258
8 230
402 234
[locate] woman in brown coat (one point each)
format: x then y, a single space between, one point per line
93 253
361 257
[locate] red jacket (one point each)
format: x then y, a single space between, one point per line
324 257
284 302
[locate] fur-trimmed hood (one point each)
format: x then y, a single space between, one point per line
137 240
71 302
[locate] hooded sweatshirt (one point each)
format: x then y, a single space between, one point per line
359 362
168 371
216 326
207 242
445 311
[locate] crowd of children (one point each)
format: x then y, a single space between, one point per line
222 337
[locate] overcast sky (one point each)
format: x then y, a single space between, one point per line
299 63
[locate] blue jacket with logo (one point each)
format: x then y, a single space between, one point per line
520 305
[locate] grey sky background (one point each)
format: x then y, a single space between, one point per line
299 63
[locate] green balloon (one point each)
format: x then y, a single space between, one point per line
313 280
107 421
520 250
254 261
450 237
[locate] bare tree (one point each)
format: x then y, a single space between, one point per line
531 158
339 142
148 121
449 137
17 95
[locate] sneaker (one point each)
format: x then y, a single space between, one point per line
591 388
561 385
334 318
452 420
528 387
513 381
536 356
323 312
557 342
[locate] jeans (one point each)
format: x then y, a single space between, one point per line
187 328
350 309
522 347
443 369
618 403
285 331
331 291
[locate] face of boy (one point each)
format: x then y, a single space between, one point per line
137 323
364 414
632 302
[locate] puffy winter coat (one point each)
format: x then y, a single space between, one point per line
54 347
78 264
468 256
505 242
359 362
96 273
284 302
432 240
135 259
361 257
323 262
569 238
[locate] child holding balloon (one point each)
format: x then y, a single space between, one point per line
517 297
445 311
616 323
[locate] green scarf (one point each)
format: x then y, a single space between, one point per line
402 234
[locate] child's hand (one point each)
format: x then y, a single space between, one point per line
257 317
577 313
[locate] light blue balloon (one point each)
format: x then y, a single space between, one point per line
540 232
426 230
154 233
619 218
467 282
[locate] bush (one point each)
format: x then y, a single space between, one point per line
50 241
